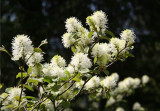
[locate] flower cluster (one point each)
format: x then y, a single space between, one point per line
21 47
58 83
98 21
125 87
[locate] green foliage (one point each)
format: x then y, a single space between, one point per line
21 74
38 50
90 34
66 104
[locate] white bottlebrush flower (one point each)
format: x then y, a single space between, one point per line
119 97
44 42
67 40
79 84
145 79
53 71
21 46
136 82
137 107
71 69
126 84
34 58
116 76
119 44
98 20
120 109
14 94
83 34
93 83
100 49
80 60
58 61
109 82
128 36
73 25
104 53
111 101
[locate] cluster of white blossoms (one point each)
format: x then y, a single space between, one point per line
35 58
81 60
128 36
97 21
93 83
75 32
57 82
125 87
107 52
145 79
21 47
56 68
137 107
110 81
12 97
67 40
120 109
104 53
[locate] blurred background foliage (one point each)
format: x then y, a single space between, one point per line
42 19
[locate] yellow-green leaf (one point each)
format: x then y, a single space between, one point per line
23 74
95 60
37 50
90 34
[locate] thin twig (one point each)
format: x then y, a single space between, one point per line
80 89
68 80
51 95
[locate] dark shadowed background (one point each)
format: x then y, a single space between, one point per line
42 19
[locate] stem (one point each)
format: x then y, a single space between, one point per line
68 80
80 89
51 95
65 90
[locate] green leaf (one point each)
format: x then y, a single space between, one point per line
128 54
37 50
1 85
55 88
73 49
73 35
17 98
28 87
106 72
77 78
64 78
29 70
110 33
29 97
100 33
9 106
96 71
105 37
95 60
90 34
47 79
24 74
108 95
66 104
67 73
33 81
92 95
88 75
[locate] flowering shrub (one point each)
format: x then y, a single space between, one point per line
57 83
